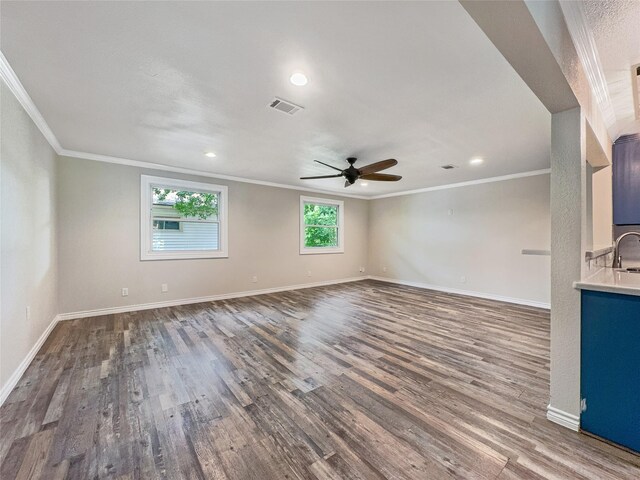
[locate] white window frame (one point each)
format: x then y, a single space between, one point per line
146 227
304 250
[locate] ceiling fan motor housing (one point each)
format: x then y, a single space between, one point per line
351 173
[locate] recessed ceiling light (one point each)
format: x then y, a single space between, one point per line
363 184
298 79
210 154
476 161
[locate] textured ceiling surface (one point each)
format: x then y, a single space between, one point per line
615 25
164 82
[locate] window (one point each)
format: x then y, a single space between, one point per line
182 219
165 225
321 225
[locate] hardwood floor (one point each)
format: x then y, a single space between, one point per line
360 380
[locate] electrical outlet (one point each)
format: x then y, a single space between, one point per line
125 292
450 212
463 279
165 288
308 273
28 313
361 269
254 279
384 269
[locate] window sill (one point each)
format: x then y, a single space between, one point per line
182 256
320 251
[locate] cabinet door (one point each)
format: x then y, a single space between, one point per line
626 181
610 367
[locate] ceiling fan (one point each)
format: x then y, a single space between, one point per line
368 172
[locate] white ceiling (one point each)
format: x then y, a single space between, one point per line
165 82
615 26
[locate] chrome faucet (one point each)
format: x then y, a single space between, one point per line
617 258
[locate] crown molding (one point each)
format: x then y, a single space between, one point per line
168 168
9 77
15 86
501 178
587 51
201 173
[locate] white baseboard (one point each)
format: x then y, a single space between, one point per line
558 416
17 374
568 420
210 298
469 293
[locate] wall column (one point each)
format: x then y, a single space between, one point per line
568 245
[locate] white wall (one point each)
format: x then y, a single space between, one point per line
417 239
99 241
28 235
601 208
570 233
70 239
71 229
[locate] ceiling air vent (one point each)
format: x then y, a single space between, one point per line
285 106
448 167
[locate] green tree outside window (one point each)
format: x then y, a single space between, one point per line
321 225
189 204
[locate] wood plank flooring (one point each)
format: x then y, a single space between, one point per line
364 380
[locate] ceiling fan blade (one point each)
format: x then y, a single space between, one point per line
330 166
381 177
321 176
378 166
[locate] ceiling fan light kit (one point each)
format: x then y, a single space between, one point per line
368 172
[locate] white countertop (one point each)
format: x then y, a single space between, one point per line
612 281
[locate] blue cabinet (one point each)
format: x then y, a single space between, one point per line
626 180
610 367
